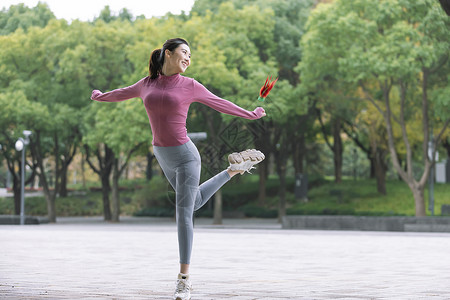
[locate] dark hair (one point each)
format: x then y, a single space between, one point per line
157 56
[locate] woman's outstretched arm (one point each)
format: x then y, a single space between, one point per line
202 95
125 93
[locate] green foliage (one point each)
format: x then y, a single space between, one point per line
89 205
18 113
49 67
255 211
392 54
246 191
372 40
324 198
155 194
20 16
155 212
441 101
361 198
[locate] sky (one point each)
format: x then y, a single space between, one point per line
87 10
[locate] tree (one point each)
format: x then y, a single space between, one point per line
124 128
279 50
27 68
18 114
234 64
23 17
389 50
103 63
290 17
369 134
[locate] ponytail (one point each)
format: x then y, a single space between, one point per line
157 57
155 64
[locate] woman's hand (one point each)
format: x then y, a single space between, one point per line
260 112
95 94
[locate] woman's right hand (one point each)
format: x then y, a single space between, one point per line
95 94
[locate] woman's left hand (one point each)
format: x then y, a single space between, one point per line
260 112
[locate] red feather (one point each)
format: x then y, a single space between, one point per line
265 90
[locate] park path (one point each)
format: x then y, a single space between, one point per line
85 258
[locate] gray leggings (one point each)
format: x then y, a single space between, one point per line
182 167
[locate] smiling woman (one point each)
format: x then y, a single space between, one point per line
167 96
178 58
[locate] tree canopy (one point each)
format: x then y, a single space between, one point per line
338 62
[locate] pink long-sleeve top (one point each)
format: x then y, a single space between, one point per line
167 100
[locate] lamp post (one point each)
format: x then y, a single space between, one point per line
21 146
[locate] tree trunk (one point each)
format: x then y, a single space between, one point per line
378 164
419 200
218 208
83 172
446 145
16 183
372 166
63 184
149 169
300 141
281 156
49 195
51 208
115 192
282 192
299 153
380 173
65 162
262 182
337 150
105 163
105 196
263 143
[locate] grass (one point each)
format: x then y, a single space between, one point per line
87 204
361 198
324 197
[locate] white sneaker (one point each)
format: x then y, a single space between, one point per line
183 288
245 160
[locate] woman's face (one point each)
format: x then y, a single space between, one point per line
179 59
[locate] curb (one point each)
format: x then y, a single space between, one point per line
360 223
15 220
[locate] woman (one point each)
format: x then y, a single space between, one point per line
167 96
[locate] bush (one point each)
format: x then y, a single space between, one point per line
315 181
320 211
155 212
254 211
246 190
155 193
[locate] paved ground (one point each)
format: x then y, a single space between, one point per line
137 259
4 193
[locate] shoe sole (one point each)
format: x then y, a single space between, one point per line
245 160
